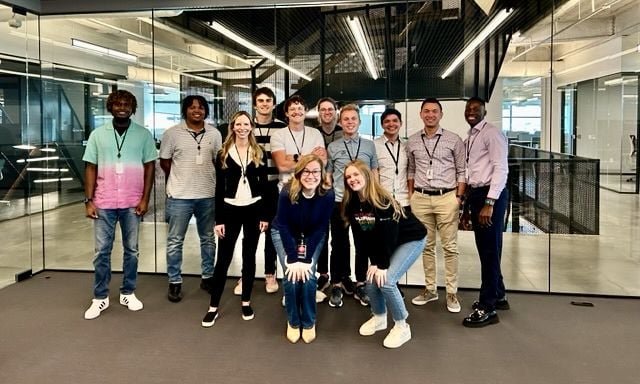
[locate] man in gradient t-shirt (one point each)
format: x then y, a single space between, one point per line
119 173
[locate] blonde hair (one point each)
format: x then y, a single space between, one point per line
231 140
373 192
350 107
295 186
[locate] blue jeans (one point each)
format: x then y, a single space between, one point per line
179 212
299 297
402 259
104 230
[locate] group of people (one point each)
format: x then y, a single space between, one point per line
302 186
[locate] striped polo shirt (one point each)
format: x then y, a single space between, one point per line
119 190
188 179
263 133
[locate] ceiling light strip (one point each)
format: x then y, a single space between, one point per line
104 50
247 44
486 32
365 50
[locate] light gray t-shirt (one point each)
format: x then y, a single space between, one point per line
302 143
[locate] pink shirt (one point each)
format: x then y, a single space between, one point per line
487 151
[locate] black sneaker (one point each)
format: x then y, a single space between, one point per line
247 312
361 295
205 284
335 300
323 282
175 292
348 286
502 305
209 319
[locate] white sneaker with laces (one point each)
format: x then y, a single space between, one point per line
270 284
131 302
237 290
374 324
397 336
453 305
97 306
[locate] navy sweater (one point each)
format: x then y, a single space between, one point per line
308 216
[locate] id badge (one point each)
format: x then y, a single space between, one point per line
429 173
199 159
302 250
119 168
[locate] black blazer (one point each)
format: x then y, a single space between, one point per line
227 180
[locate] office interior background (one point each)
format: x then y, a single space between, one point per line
561 78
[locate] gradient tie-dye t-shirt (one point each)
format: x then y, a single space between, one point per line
122 190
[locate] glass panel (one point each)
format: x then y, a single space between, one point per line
21 198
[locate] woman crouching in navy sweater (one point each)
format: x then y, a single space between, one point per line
298 233
391 238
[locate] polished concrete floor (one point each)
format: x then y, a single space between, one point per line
605 264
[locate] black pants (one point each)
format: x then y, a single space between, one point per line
489 244
270 256
239 217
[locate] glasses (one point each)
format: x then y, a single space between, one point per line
307 172
323 110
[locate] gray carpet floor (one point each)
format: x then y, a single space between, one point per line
542 339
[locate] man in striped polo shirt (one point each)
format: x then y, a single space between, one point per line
120 163
264 101
187 156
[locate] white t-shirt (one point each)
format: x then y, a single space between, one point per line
291 142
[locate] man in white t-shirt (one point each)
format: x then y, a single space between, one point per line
291 143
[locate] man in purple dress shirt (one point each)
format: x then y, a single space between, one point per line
487 169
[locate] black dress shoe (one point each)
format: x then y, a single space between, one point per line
175 292
206 284
480 318
501 305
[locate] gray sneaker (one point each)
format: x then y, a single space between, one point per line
335 300
425 297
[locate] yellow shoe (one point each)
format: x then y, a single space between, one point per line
293 334
308 335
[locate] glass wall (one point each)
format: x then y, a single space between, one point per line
566 99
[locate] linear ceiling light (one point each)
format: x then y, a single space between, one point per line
104 50
535 80
365 50
247 44
488 30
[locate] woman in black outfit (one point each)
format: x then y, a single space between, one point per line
241 184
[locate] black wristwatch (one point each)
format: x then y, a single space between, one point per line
87 200
489 202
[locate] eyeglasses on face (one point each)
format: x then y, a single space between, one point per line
307 172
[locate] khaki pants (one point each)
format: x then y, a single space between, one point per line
439 213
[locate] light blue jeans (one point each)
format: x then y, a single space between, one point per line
104 229
388 296
178 213
299 297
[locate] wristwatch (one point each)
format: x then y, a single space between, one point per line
87 199
489 202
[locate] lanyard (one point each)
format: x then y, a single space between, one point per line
397 157
427 149
470 143
304 132
195 135
244 166
119 145
349 153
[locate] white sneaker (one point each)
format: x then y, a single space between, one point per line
131 302
97 306
397 336
373 325
270 284
237 290
453 305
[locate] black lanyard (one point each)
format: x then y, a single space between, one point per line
427 149
243 167
119 145
397 158
470 143
304 132
349 153
195 135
